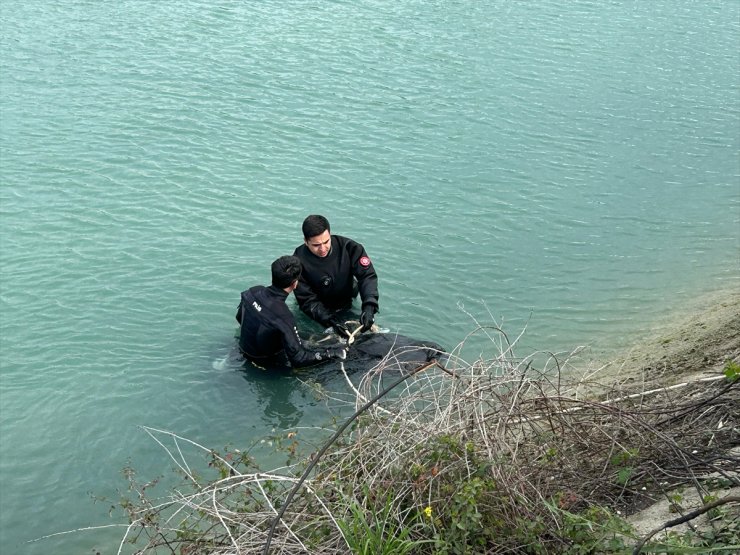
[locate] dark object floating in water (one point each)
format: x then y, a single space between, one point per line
401 353
398 353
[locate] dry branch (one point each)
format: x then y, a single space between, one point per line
500 433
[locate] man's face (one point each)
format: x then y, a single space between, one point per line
320 245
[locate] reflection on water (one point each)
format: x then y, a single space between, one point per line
274 389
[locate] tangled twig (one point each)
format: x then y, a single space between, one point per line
685 518
509 437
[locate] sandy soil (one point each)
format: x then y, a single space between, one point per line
694 345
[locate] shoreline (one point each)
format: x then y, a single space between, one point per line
693 346
549 468
690 344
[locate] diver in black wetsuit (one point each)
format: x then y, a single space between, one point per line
335 270
268 332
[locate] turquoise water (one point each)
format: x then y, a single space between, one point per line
568 167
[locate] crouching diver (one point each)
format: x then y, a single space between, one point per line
268 332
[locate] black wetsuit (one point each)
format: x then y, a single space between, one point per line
328 284
268 329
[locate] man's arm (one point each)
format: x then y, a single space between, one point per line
293 346
363 270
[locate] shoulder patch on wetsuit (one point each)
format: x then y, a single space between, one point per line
365 261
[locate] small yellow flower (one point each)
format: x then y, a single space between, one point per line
428 512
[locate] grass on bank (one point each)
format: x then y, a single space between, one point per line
494 456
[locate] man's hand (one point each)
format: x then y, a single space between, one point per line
339 328
367 318
336 352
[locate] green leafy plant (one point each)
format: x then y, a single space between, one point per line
732 371
595 530
623 460
675 499
377 533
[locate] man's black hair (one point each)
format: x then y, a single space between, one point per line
315 225
285 270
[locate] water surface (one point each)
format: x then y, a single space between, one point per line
568 168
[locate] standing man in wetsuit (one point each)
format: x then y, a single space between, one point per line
335 270
268 332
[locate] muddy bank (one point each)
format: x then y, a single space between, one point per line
696 342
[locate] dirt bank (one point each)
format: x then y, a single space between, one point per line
691 348
695 343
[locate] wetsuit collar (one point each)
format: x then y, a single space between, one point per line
277 291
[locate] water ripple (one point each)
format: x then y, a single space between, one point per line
572 170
